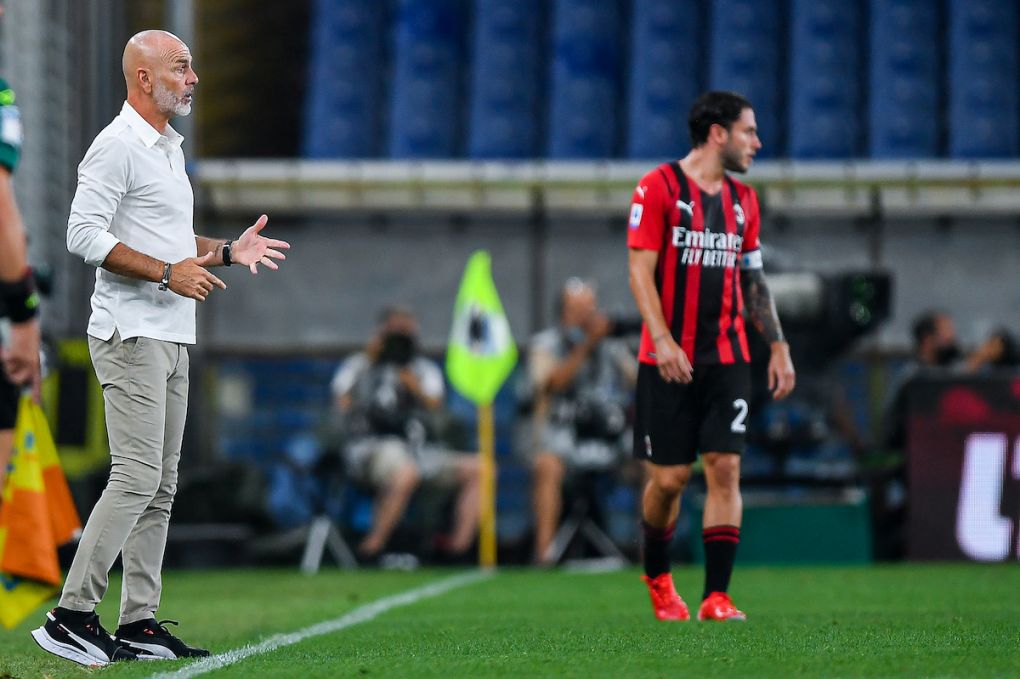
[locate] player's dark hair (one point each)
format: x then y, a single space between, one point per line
714 108
925 325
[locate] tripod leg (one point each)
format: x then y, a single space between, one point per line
602 542
339 549
564 536
315 545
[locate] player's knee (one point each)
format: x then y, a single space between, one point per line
671 481
723 472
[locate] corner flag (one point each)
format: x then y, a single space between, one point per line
482 352
36 516
480 357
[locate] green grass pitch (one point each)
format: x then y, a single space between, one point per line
885 621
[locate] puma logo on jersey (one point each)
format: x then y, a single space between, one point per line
738 213
688 208
641 191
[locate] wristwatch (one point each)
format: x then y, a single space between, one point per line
165 282
226 254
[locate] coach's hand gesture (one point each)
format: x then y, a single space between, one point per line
251 249
190 278
782 378
674 366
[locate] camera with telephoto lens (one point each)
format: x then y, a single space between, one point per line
388 420
397 348
598 419
624 326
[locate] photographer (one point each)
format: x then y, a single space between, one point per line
390 399
582 379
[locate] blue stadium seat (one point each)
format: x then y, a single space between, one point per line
584 88
426 116
665 76
905 85
825 76
746 56
344 80
506 79
983 79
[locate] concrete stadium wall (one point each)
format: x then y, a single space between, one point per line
341 272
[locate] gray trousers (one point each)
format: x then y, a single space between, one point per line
145 390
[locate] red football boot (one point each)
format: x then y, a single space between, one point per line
666 603
719 606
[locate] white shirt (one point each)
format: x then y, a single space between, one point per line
133 189
357 366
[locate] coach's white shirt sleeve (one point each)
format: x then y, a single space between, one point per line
133 189
102 183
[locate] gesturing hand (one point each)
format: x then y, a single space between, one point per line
251 249
674 366
409 380
597 326
190 278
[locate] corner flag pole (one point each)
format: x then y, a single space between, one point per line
487 494
480 356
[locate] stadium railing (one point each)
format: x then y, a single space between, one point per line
787 188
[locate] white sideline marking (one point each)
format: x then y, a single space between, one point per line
356 616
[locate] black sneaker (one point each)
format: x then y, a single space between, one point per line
151 640
82 640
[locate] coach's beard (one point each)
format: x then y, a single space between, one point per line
171 104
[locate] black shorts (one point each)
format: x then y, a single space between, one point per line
675 422
10 394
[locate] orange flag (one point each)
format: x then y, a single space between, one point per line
36 515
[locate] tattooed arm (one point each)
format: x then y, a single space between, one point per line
761 309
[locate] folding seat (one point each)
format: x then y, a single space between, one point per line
903 97
506 85
584 86
344 80
824 113
665 76
983 77
425 119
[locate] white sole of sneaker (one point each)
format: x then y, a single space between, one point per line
50 645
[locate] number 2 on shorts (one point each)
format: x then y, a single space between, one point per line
738 425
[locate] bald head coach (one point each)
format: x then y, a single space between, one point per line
132 218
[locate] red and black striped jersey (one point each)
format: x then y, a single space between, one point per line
703 242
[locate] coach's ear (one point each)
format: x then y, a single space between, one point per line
144 79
